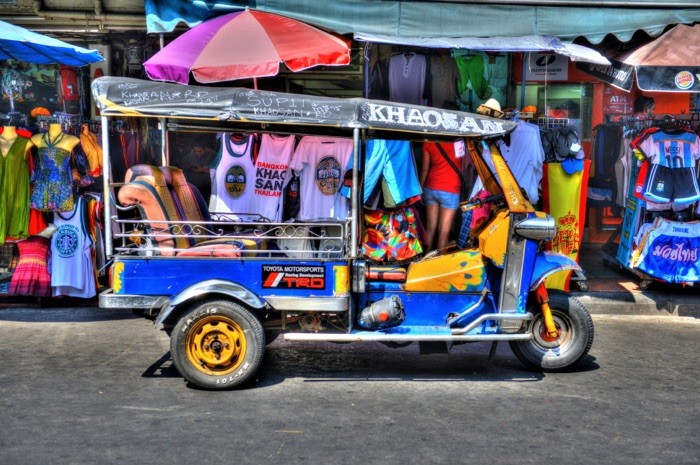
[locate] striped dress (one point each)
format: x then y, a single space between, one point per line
31 276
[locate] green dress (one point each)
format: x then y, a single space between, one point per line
14 192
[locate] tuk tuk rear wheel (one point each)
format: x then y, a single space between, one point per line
217 345
573 341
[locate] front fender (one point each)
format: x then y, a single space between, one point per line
212 286
549 262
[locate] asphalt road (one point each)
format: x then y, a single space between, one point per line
93 386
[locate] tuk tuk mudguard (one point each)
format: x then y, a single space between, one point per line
547 263
211 287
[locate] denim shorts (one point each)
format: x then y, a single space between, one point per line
442 198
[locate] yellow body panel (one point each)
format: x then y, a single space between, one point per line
461 271
493 239
117 273
341 281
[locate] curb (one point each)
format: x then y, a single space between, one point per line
639 303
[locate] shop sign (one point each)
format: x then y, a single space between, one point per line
546 66
617 73
669 78
617 101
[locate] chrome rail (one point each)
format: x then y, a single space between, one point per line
311 240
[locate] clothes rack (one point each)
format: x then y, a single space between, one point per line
621 249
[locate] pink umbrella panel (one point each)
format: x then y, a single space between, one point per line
243 45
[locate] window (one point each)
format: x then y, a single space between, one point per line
571 101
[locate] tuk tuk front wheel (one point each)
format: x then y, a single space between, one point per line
217 345
573 341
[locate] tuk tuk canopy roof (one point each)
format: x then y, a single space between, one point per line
128 97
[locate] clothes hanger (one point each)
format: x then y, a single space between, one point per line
671 125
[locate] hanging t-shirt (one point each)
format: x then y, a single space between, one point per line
524 155
321 162
407 78
93 150
443 80
671 149
391 163
232 175
672 156
72 269
271 171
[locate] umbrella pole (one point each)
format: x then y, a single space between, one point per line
255 83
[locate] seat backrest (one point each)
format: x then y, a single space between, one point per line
195 205
146 187
189 200
140 169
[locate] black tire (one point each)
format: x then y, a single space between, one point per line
575 337
217 344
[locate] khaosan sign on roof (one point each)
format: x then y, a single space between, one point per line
117 96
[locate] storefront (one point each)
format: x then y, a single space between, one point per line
543 87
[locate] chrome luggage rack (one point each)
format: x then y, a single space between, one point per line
255 236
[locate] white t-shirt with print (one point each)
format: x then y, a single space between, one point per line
321 162
271 173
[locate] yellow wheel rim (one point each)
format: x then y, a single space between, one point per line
216 345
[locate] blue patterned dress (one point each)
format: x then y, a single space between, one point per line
52 178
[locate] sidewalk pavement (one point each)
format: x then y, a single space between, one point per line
615 290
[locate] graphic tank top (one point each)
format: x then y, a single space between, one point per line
72 270
232 176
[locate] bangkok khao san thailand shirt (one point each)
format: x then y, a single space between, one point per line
271 174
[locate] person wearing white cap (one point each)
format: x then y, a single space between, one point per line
491 108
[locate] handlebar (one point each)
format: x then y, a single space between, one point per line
472 204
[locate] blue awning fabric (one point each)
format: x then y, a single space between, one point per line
403 18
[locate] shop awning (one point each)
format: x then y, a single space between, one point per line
669 63
495 44
404 18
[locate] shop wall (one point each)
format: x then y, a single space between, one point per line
614 101
672 103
